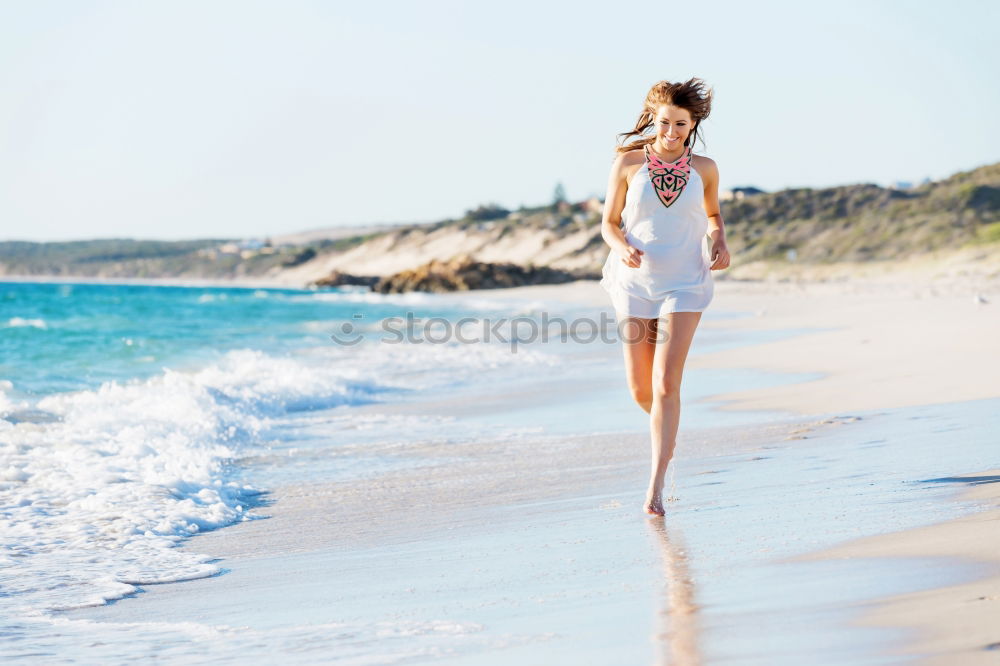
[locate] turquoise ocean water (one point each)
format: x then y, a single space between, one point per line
133 416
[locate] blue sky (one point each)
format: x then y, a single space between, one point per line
188 119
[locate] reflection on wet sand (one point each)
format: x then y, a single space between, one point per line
675 634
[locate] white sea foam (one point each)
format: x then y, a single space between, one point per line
18 322
98 486
365 295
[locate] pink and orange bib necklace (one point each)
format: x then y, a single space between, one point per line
669 179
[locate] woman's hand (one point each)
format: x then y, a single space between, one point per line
630 256
720 255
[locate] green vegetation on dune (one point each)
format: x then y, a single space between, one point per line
105 249
847 223
865 221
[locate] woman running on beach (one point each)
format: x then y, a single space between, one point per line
660 214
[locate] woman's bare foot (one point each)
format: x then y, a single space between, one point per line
654 503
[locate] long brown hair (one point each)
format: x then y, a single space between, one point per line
693 95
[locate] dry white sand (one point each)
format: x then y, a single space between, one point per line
881 344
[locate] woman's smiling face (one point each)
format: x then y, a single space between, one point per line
673 125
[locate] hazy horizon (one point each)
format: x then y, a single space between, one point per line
232 119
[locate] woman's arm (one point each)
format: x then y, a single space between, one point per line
716 227
614 203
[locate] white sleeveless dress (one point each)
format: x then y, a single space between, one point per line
673 273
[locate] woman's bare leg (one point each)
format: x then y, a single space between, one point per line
639 340
676 332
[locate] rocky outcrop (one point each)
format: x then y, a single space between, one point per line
463 272
338 278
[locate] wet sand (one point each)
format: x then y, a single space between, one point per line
826 536
950 624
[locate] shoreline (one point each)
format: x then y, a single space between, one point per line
974 268
949 623
876 334
440 549
871 345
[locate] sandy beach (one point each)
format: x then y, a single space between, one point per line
840 532
898 340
